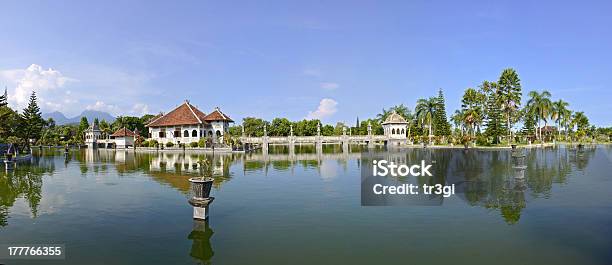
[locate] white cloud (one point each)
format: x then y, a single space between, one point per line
114 90
327 107
140 109
329 85
101 106
35 78
137 109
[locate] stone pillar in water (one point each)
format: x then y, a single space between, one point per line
200 199
518 162
344 140
370 137
264 140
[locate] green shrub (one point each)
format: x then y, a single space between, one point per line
202 142
482 140
193 144
169 144
153 143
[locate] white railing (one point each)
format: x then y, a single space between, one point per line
313 139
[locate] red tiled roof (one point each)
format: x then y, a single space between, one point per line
185 114
123 132
217 115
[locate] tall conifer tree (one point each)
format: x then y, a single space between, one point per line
495 120
441 125
32 124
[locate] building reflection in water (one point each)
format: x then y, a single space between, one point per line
201 248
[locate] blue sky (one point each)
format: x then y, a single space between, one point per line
335 60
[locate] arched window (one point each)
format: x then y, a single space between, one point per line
218 133
186 133
210 133
194 133
403 132
393 131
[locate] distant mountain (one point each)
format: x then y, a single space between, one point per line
57 116
92 114
60 118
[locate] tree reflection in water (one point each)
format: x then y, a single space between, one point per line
491 178
492 182
24 181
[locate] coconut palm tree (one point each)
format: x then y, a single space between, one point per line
545 108
472 109
566 120
581 121
540 102
400 109
470 117
559 109
106 129
383 115
457 119
425 110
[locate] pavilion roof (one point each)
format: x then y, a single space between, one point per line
395 118
217 115
123 132
185 114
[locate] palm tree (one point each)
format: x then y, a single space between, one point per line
545 108
105 128
566 120
400 109
383 115
559 109
457 119
425 110
470 117
581 121
540 102
403 111
472 109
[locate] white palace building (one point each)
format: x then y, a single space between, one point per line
186 124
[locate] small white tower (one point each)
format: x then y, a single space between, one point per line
395 128
92 135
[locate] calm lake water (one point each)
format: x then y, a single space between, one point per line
112 207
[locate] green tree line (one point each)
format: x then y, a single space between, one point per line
29 128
